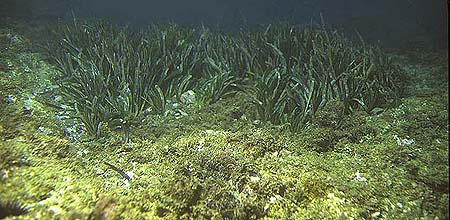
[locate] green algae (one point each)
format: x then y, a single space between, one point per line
217 162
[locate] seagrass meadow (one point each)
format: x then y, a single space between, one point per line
100 121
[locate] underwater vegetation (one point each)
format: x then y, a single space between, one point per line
118 76
175 122
12 208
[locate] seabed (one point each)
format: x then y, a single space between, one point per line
219 162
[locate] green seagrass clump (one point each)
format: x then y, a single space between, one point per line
119 76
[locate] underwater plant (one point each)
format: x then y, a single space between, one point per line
317 65
118 76
269 96
219 83
269 91
12 208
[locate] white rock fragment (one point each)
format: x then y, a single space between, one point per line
130 174
403 142
211 132
272 200
82 153
359 178
188 97
376 215
330 196
254 179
